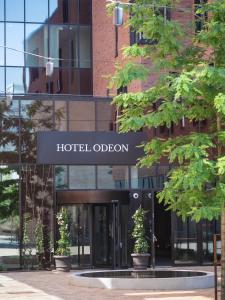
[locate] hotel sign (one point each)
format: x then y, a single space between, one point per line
85 148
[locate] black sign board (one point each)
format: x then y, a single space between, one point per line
86 148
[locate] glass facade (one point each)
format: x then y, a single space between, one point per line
57 29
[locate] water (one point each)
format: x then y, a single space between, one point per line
142 274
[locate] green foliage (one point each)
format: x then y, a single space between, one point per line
64 241
190 87
9 194
141 243
26 244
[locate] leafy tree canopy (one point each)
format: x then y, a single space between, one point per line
190 88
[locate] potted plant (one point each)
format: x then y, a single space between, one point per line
62 257
140 255
39 243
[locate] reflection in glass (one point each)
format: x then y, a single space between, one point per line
15 82
36 11
81 177
75 81
61 179
60 115
113 177
36 80
2 80
85 12
1 10
59 44
9 218
9 143
15 10
81 115
73 30
80 234
106 116
37 199
36 42
85 47
185 241
14 39
63 11
86 82
2 43
59 81
143 178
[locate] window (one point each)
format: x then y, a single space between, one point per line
14 10
82 177
36 11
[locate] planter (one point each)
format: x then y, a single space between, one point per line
140 260
62 263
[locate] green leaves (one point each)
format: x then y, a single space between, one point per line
190 86
138 233
124 75
219 103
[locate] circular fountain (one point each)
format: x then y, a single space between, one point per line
158 279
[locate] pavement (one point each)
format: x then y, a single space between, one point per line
48 285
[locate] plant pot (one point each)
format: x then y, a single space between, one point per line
140 260
62 263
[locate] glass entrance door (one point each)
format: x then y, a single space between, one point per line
80 234
102 235
98 235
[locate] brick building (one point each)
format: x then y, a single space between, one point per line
101 190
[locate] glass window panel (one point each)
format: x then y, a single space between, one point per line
36 11
59 44
38 110
9 140
63 11
73 30
75 81
143 178
85 47
15 83
106 116
9 218
59 82
36 80
14 39
15 10
81 177
1 10
85 11
36 42
185 241
61 179
2 43
86 82
2 80
60 115
81 115
113 177
11 110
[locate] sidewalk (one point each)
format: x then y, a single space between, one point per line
48 285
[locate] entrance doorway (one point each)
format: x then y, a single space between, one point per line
98 237
162 234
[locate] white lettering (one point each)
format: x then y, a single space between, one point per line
97 148
67 147
125 148
117 148
60 147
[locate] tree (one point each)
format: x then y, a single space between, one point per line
190 87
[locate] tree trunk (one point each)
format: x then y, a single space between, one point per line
223 254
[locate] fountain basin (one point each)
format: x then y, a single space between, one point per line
158 279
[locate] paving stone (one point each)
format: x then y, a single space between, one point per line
46 285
